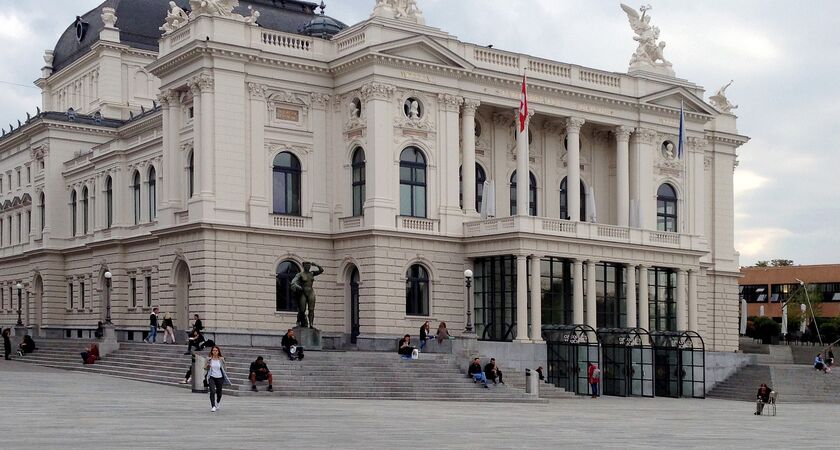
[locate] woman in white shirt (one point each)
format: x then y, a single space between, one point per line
216 377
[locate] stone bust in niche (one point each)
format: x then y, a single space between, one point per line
668 150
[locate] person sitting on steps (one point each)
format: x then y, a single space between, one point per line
762 398
259 372
819 364
91 354
99 331
291 346
27 346
404 347
196 340
476 373
492 372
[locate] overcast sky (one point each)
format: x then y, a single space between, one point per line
782 55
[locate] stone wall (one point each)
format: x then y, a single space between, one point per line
721 365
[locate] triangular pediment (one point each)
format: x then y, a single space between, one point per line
676 96
423 49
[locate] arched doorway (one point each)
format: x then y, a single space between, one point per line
353 302
36 317
182 279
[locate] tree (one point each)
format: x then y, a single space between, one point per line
762 264
781 262
795 315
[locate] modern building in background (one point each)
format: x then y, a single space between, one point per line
765 289
202 156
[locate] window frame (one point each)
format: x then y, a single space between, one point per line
564 200
291 182
136 195
283 282
152 191
480 178
418 282
667 212
532 194
416 187
109 201
358 180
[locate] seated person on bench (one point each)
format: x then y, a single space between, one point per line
762 398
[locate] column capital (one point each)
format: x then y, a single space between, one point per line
574 124
201 84
502 119
644 135
257 91
449 102
470 106
319 100
622 133
591 262
167 98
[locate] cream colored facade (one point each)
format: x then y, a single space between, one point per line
235 95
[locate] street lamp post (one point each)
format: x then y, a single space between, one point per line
468 274
19 287
108 276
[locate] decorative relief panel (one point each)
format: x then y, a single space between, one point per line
288 108
412 114
273 147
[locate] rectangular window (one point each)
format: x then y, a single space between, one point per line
781 292
148 292
610 295
2 300
494 292
1 232
28 174
132 291
70 301
556 280
19 227
28 223
82 295
18 177
662 286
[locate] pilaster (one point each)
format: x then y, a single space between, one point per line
258 207
382 186
468 155
573 126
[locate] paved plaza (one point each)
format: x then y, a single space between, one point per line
47 408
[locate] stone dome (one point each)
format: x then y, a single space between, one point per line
139 22
323 26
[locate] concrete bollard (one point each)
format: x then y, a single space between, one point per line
198 372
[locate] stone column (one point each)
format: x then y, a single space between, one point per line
198 142
468 154
536 300
553 143
164 215
258 209
521 298
573 125
449 129
642 192
591 299
123 202
622 175
320 211
682 316
577 292
692 300
523 173
175 170
382 186
644 308
632 321
207 150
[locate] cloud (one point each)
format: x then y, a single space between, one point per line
760 243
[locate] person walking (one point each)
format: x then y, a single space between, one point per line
216 377
168 329
593 375
153 326
7 344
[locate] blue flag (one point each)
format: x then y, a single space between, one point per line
681 144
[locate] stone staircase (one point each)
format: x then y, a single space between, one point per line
743 384
333 374
516 379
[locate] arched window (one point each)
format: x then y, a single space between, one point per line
564 201
135 189
42 211
286 184
417 291
84 210
532 195
286 270
109 201
666 208
72 213
412 183
191 174
480 178
358 181
152 194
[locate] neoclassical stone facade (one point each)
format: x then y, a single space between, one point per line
203 172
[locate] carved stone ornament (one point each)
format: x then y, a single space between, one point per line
274 147
355 117
109 17
450 102
471 106
644 135
377 91
502 119
41 151
667 162
413 115
319 100
201 83
257 91
222 8
406 10
622 133
649 54
175 18
574 124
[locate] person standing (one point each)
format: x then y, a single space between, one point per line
492 372
216 377
7 344
424 334
153 326
168 329
594 378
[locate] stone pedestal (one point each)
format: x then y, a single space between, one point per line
20 332
108 342
309 338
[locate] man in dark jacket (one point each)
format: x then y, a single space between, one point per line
492 372
259 372
197 325
762 398
153 326
476 373
290 345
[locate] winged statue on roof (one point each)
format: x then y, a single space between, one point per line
649 53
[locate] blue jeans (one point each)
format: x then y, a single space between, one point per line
480 377
422 344
594 389
152 334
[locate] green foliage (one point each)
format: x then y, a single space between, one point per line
781 262
795 315
763 328
762 264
